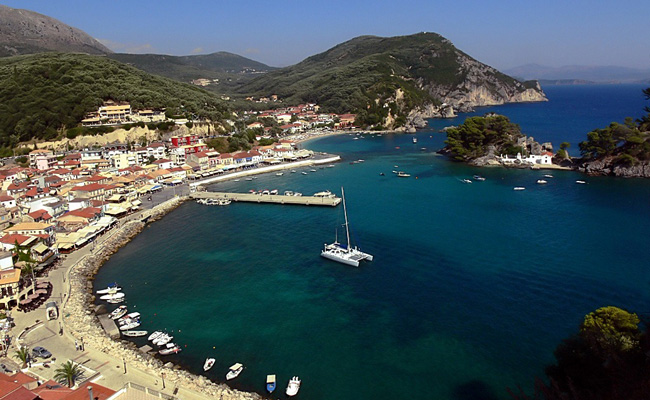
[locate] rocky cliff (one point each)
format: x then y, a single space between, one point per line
607 166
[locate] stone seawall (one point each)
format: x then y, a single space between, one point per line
81 320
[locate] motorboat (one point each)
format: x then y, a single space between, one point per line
324 193
381 174
293 386
279 174
270 383
344 253
249 179
304 173
162 339
234 371
519 188
312 170
274 192
403 174
134 333
415 140
133 315
171 348
293 171
130 325
209 362
236 180
109 290
155 335
118 312
548 176
330 166
478 178
541 182
112 296
581 182
298 194
288 193
466 180
115 301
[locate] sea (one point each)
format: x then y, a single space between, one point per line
471 288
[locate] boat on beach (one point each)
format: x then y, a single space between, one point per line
293 387
118 312
134 333
209 362
270 383
234 371
344 254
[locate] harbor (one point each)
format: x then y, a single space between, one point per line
317 200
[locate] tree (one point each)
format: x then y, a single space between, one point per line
68 373
22 354
611 329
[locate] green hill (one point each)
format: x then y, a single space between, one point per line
42 93
230 69
384 79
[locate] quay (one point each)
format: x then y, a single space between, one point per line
269 198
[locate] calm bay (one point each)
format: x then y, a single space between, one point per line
471 289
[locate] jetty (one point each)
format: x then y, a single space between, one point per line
270 198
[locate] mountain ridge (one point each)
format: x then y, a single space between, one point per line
28 32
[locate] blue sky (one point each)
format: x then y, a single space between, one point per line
503 34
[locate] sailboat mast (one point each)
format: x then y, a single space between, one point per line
345 213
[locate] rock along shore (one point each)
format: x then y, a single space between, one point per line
82 321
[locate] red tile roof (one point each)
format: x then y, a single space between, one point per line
99 392
12 238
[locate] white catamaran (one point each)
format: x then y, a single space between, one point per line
345 254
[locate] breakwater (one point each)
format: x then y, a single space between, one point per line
80 319
269 198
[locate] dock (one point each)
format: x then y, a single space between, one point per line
110 327
270 198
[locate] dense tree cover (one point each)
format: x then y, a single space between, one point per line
350 77
42 94
629 142
472 139
606 360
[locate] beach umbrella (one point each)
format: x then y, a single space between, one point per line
32 296
41 291
25 301
43 285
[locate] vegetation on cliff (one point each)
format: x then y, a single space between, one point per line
477 135
606 359
624 144
377 77
42 94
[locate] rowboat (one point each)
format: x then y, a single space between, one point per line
270 383
118 312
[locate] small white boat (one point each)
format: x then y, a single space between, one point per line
209 362
236 180
110 289
466 181
312 170
581 182
541 182
162 340
118 312
403 174
249 179
274 192
478 178
548 176
293 387
519 188
415 140
330 166
132 315
171 348
115 301
293 171
304 173
130 325
279 174
234 371
155 335
288 193
297 194
112 296
134 333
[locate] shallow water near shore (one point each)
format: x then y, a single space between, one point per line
471 289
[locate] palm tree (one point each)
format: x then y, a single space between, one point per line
23 355
68 373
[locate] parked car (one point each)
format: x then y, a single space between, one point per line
41 352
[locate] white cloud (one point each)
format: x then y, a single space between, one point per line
133 48
198 50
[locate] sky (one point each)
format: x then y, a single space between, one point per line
502 34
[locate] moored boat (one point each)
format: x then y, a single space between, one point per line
466 180
293 386
548 176
130 325
234 371
519 188
270 383
403 174
110 289
478 178
171 348
155 335
133 315
581 182
112 296
541 182
134 333
162 339
118 312
209 362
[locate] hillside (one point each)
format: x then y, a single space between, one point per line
42 93
230 69
28 32
386 79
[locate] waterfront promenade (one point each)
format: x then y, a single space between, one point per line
269 198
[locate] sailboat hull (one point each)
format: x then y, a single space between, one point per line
337 258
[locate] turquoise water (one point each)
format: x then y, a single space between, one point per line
471 289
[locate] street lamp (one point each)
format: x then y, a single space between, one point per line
124 361
162 375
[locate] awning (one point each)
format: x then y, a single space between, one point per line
40 248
